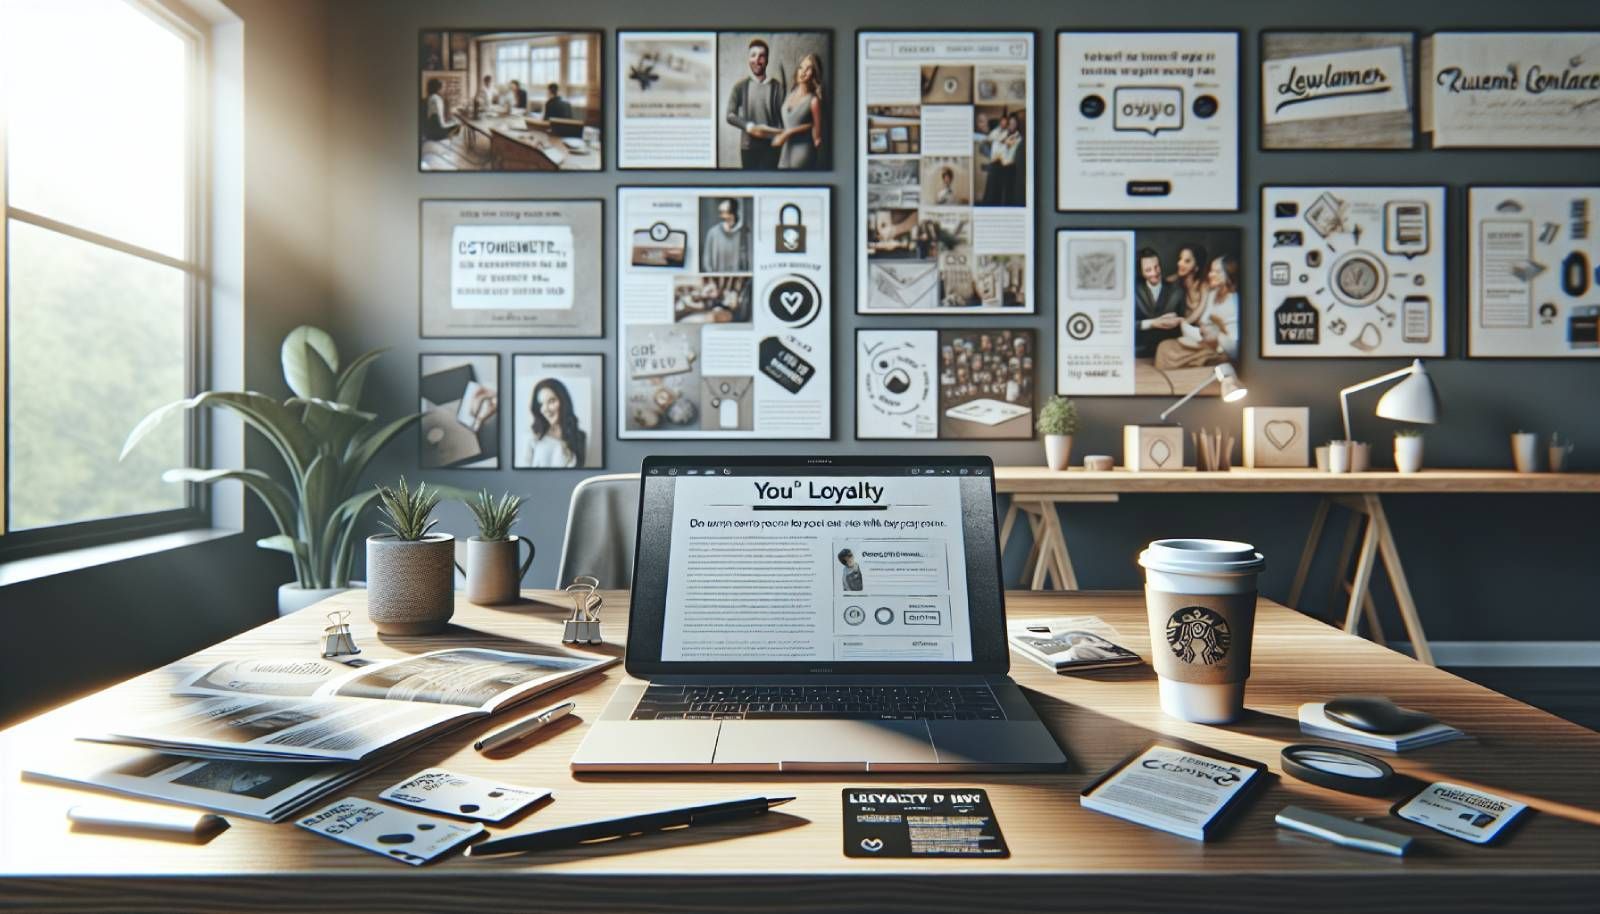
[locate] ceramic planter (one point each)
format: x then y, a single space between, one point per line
1057 451
493 573
1525 452
1408 453
409 584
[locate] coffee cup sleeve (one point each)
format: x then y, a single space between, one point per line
1201 638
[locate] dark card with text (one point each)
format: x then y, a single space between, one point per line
921 822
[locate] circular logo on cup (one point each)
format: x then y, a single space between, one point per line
1198 635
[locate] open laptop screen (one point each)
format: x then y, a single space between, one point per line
810 567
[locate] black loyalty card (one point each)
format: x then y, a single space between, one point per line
920 822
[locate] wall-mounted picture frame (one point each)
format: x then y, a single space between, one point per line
1147 312
1353 271
1510 89
1147 120
511 268
956 384
945 172
1325 89
459 397
510 100
558 418
1533 272
725 100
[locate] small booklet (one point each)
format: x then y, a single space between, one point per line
1069 643
1185 791
315 711
1314 721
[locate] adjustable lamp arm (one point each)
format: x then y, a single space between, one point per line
1210 379
1344 395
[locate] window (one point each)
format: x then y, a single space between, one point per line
104 273
544 64
578 63
511 62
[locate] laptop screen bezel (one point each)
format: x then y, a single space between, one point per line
985 593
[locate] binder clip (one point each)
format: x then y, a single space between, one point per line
584 625
336 638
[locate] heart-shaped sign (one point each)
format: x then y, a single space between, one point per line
792 301
1160 452
1280 433
872 844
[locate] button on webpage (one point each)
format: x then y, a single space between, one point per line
1149 188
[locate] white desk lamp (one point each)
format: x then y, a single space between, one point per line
1232 390
1412 400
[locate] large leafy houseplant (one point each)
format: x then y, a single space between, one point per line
325 442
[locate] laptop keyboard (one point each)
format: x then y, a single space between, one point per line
756 702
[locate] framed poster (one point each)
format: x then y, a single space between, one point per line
1146 312
1147 120
749 101
1338 90
460 402
1533 277
1501 89
956 384
509 100
724 299
1352 272
557 423
506 268
944 187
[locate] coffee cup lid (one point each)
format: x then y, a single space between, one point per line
1200 556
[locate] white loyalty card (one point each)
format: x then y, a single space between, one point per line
1461 812
460 795
394 833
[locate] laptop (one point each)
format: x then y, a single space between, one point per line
819 614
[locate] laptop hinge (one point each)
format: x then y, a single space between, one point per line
822 766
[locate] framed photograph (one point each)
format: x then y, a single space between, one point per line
1147 121
558 422
944 183
460 403
1146 312
1338 90
953 384
1511 89
746 101
1352 272
511 268
510 100
1533 272
724 312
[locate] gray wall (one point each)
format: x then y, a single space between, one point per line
1482 567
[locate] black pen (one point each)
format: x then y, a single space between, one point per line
627 826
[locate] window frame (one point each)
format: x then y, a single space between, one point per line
195 265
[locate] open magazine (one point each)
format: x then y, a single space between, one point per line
313 711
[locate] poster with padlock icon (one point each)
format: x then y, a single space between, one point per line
728 338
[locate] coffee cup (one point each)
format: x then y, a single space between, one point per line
1200 598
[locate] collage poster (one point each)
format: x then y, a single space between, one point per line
723 299
945 173
1146 312
1534 285
1147 121
954 384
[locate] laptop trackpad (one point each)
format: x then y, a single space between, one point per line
843 741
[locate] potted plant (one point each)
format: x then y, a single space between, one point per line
1408 450
1058 422
493 572
325 443
410 588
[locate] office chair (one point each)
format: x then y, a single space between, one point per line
601 523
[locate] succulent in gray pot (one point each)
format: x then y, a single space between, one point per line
410 569
493 573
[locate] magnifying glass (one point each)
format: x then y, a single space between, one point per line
1338 769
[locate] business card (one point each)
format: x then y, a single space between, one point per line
462 795
388 832
1461 812
921 822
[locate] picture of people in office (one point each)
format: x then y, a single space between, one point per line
725 234
460 411
776 100
986 383
850 577
510 101
711 299
558 423
1186 305
1000 168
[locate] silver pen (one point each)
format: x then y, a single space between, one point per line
523 727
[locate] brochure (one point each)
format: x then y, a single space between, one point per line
1069 643
1175 789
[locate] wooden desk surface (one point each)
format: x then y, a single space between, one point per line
1039 480
1063 857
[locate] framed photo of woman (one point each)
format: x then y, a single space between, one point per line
556 420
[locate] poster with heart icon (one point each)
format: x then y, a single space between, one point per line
1276 436
730 336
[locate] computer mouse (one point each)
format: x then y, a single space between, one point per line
1374 714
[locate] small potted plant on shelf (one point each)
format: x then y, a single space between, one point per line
1408 450
493 573
1058 422
409 569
